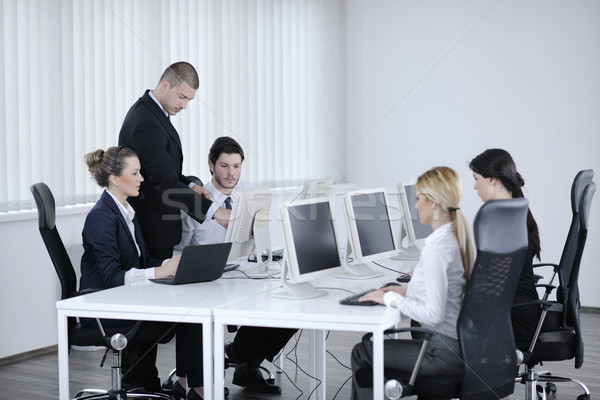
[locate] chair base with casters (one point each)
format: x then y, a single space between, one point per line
116 343
533 382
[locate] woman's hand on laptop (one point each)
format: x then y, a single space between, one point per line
169 268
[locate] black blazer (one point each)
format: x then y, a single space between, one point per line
109 248
148 132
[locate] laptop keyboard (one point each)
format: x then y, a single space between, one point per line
166 281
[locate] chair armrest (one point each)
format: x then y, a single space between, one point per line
537 265
544 303
427 332
548 291
545 306
407 388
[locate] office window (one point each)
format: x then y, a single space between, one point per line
271 76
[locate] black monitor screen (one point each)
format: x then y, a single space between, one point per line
372 223
314 237
421 231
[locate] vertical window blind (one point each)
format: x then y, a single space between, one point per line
271 76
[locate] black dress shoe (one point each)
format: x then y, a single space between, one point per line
252 378
193 395
178 391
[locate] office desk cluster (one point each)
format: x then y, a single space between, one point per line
229 301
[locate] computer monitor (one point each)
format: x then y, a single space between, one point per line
412 231
316 188
311 247
248 228
370 233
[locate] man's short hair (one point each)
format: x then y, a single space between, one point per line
224 144
181 72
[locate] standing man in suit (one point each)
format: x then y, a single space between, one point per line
148 131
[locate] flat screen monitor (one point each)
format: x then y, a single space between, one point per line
370 233
413 232
248 228
311 247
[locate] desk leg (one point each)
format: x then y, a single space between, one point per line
207 350
63 356
219 360
317 363
378 364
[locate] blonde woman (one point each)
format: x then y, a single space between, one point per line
434 293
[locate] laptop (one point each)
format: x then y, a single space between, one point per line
201 263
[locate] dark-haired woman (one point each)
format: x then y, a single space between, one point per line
115 255
496 177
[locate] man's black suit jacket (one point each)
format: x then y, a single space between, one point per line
164 191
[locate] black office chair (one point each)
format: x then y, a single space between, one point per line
114 338
563 268
195 179
484 327
562 342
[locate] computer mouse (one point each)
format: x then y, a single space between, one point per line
403 278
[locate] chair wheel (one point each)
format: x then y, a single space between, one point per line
584 396
550 387
539 388
270 380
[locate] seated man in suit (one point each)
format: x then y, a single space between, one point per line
252 345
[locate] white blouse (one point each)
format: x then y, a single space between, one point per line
434 293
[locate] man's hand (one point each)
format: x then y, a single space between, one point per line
202 191
222 216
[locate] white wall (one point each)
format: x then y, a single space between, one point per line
29 287
437 82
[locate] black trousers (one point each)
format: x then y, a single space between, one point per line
188 352
139 357
254 344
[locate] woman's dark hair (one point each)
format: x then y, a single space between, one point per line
498 164
102 164
224 144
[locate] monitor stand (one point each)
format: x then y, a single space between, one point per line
360 270
262 242
411 252
296 291
408 253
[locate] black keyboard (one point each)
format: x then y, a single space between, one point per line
230 267
352 300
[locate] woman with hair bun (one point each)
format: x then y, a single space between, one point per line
496 177
115 255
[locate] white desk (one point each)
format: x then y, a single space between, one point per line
318 314
155 302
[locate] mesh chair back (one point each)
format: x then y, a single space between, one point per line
484 325
44 201
582 179
573 303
